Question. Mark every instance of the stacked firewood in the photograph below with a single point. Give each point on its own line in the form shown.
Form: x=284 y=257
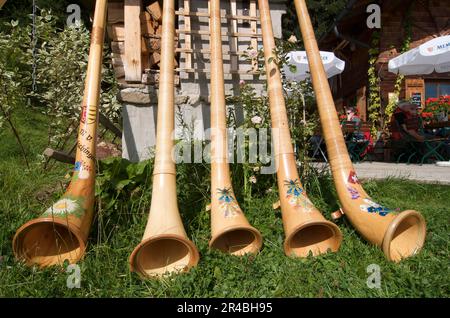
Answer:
x=151 y=27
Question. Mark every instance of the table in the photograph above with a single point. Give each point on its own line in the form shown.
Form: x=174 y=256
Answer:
x=436 y=125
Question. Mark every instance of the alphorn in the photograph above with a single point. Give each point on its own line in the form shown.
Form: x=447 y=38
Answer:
x=231 y=232
x=61 y=232
x=165 y=247
x=306 y=230
x=400 y=235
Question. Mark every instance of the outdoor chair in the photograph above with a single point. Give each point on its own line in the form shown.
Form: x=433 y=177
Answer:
x=412 y=150
x=356 y=143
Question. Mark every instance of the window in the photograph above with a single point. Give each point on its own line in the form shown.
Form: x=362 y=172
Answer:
x=436 y=88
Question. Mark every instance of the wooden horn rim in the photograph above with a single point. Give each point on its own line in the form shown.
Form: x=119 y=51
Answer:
x=316 y=237
x=163 y=254
x=405 y=236
x=237 y=240
x=48 y=241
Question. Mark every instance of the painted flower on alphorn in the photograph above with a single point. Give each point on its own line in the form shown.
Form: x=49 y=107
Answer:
x=296 y=195
x=228 y=203
x=353 y=192
x=66 y=206
x=82 y=170
x=372 y=207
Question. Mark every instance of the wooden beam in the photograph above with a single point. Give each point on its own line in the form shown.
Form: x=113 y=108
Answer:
x=233 y=28
x=109 y=125
x=187 y=37
x=241 y=72
x=205 y=14
x=254 y=30
x=59 y=156
x=224 y=34
x=133 y=44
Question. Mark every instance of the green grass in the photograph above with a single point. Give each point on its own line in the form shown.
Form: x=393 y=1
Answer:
x=118 y=229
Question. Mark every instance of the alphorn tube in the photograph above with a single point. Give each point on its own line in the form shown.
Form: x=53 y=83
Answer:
x=305 y=227
x=61 y=232
x=400 y=235
x=231 y=232
x=165 y=247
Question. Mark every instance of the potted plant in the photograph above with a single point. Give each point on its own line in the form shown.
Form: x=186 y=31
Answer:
x=436 y=109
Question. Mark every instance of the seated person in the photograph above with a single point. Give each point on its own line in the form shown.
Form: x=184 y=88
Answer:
x=405 y=122
x=353 y=117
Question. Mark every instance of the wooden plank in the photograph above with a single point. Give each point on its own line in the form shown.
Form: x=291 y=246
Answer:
x=227 y=16
x=241 y=72
x=254 y=30
x=133 y=58
x=109 y=125
x=187 y=37
x=208 y=51
x=115 y=12
x=233 y=28
x=155 y=10
x=59 y=156
x=224 y=34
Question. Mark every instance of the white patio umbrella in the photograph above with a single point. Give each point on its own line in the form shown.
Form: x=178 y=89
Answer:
x=333 y=65
x=297 y=69
x=431 y=56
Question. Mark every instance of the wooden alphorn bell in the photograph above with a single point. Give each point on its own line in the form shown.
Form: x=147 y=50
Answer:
x=400 y=235
x=231 y=232
x=165 y=247
x=306 y=230
x=61 y=232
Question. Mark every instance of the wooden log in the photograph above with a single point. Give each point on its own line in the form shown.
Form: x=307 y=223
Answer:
x=118 y=47
x=133 y=56
x=155 y=58
x=153 y=44
x=115 y=12
x=147 y=25
x=155 y=11
x=116 y=32
x=119 y=72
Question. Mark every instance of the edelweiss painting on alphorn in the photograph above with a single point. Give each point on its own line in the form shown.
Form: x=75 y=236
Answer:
x=400 y=235
x=231 y=232
x=165 y=247
x=61 y=232
x=306 y=230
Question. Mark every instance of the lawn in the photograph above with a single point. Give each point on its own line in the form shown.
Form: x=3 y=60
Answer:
x=121 y=219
